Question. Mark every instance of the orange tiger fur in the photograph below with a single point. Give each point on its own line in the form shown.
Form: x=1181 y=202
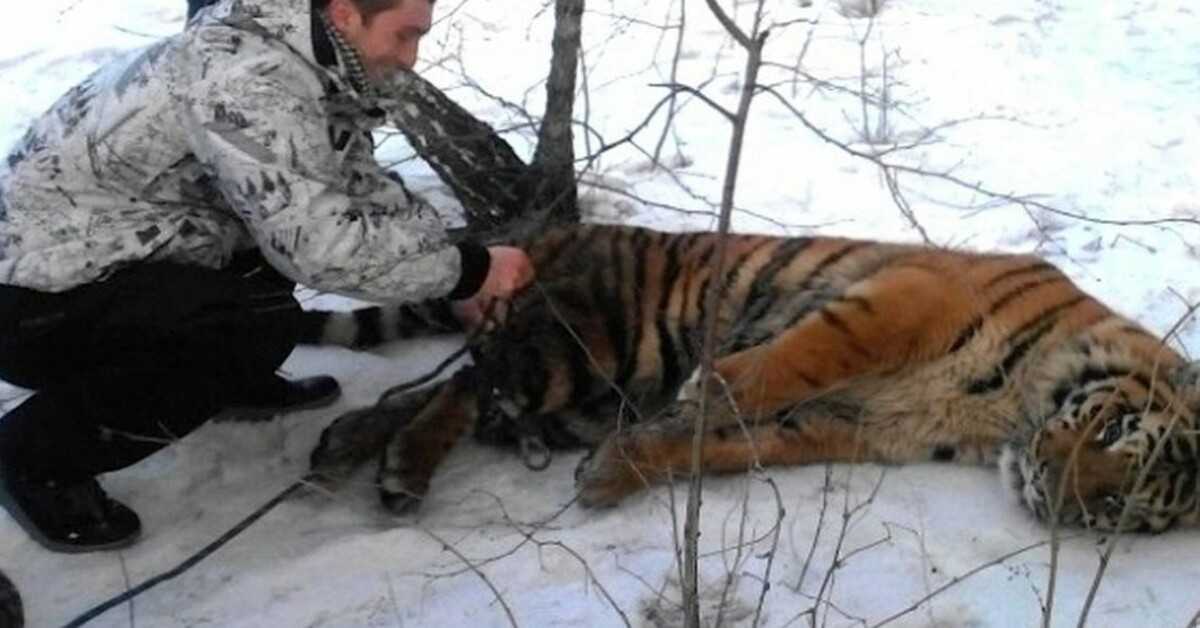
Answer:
x=832 y=350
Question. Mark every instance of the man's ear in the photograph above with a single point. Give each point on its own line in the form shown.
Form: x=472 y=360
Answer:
x=344 y=15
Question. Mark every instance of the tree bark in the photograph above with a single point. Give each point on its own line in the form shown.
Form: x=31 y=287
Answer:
x=502 y=196
x=554 y=159
x=480 y=167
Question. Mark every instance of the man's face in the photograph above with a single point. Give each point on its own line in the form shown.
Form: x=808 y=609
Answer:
x=388 y=43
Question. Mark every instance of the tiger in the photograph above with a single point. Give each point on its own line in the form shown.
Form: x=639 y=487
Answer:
x=829 y=350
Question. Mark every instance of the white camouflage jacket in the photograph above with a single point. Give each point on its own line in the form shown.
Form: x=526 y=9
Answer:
x=241 y=130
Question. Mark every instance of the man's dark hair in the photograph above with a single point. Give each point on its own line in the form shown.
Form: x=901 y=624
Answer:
x=368 y=8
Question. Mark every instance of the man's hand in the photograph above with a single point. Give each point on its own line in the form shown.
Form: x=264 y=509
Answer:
x=510 y=271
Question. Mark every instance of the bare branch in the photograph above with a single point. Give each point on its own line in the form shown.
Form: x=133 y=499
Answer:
x=449 y=547
x=729 y=115
x=957 y=580
x=671 y=109
x=731 y=27
x=780 y=513
x=692 y=523
x=976 y=187
x=826 y=489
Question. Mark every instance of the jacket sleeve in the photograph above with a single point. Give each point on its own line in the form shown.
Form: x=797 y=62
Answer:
x=261 y=125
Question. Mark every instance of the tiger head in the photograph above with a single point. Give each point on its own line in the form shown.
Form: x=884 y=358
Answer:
x=1119 y=452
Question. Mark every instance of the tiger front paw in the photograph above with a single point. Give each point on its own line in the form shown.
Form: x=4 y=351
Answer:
x=403 y=480
x=607 y=474
x=400 y=498
x=348 y=442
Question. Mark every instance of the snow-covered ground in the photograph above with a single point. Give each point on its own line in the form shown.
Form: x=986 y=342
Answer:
x=1087 y=107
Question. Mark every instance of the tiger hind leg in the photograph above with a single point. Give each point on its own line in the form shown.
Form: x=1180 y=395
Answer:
x=900 y=316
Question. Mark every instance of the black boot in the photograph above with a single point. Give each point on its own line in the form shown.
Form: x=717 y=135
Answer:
x=12 y=612
x=277 y=395
x=71 y=518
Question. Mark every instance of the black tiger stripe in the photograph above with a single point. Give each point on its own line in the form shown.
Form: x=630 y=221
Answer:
x=681 y=320
x=702 y=305
x=967 y=334
x=859 y=302
x=1018 y=351
x=1048 y=313
x=1036 y=267
x=808 y=380
x=836 y=257
x=672 y=375
x=668 y=357
x=551 y=254
x=1085 y=378
x=710 y=249
x=1021 y=348
x=369 y=326
x=1143 y=380
x=1138 y=331
x=702 y=296
x=640 y=243
x=734 y=270
x=833 y=320
x=1041 y=324
x=806 y=285
x=896 y=260
x=579 y=368
x=613 y=315
x=671 y=269
x=757 y=303
x=1022 y=290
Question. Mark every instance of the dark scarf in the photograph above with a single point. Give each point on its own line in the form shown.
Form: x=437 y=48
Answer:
x=329 y=47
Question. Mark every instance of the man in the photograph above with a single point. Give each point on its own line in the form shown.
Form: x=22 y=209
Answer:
x=153 y=222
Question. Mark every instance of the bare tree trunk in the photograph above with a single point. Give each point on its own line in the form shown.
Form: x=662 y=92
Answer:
x=554 y=159
x=481 y=168
x=502 y=195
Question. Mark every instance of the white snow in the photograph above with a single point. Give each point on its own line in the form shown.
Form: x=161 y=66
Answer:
x=1087 y=107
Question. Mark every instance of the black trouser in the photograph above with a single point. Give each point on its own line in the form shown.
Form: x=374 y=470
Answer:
x=123 y=366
